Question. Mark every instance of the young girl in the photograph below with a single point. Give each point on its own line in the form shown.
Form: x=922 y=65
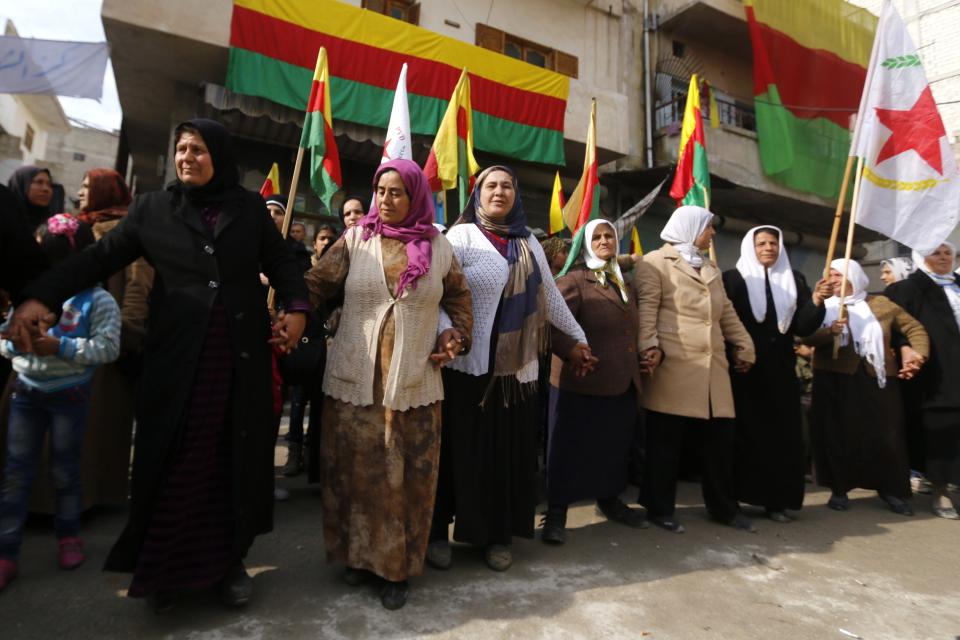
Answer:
x=51 y=393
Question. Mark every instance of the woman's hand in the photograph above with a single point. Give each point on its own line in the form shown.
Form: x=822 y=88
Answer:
x=837 y=327
x=650 y=360
x=288 y=329
x=46 y=346
x=30 y=321
x=582 y=359
x=449 y=346
x=741 y=366
x=821 y=291
x=912 y=363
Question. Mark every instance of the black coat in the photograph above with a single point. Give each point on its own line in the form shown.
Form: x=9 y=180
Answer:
x=193 y=268
x=21 y=259
x=938 y=383
x=770 y=453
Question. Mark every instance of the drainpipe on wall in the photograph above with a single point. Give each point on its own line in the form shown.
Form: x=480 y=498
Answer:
x=647 y=107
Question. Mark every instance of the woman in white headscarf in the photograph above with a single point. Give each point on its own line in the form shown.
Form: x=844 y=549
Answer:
x=857 y=428
x=775 y=304
x=685 y=321
x=932 y=295
x=593 y=416
x=895 y=269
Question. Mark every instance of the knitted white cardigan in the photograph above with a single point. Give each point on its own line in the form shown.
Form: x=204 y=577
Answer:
x=486 y=272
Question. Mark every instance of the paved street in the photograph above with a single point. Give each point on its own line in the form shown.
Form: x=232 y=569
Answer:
x=869 y=573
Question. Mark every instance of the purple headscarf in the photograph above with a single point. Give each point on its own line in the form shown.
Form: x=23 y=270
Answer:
x=415 y=230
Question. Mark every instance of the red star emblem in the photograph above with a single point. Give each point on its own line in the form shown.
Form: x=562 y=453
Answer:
x=919 y=129
x=386 y=147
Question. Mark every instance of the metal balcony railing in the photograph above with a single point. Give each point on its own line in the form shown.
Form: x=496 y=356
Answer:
x=733 y=114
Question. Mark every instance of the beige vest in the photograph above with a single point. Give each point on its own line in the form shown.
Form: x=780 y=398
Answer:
x=412 y=380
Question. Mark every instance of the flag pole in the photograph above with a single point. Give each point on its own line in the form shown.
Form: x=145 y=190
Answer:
x=838 y=216
x=849 y=251
x=712 y=251
x=288 y=214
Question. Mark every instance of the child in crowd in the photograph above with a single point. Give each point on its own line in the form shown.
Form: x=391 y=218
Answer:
x=51 y=394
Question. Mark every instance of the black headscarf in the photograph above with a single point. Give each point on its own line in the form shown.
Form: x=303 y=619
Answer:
x=20 y=185
x=348 y=198
x=224 y=186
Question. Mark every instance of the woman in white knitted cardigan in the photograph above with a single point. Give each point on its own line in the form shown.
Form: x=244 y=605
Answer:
x=489 y=439
x=380 y=441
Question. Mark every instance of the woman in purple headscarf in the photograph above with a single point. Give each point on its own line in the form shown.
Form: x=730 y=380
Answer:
x=380 y=445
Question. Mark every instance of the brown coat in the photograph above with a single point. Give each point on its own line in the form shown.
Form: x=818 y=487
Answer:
x=891 y=317
x=611 y=326
x=688 y=315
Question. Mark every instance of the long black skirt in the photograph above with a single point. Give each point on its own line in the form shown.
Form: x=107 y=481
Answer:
x=488 y=460
x=941 y=440
x=858 y=435
x=589 y=446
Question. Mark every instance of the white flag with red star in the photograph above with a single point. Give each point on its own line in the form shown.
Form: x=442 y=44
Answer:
x=398 y=143
x=911 y=188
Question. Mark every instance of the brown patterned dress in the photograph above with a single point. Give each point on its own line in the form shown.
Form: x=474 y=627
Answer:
x=378 y=467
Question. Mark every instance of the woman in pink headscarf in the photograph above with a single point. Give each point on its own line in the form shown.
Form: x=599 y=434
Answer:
x=380 y=444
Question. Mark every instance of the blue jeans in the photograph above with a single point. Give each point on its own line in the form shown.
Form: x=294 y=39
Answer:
x=32 y=414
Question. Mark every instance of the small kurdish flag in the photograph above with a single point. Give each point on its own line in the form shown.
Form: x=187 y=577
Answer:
x=451 y=163
x=584 y=203
x=325 y=176
x=636 y=249
x=691 y=181
x=556 y=207
x=272 y=184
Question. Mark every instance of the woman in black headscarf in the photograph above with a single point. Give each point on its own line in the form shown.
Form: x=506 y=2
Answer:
x=33 y=186
x=202 y=485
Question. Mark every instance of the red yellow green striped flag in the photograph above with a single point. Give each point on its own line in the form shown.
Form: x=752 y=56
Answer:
x=636 y=249
x=556 y=207
x=272 y=184
x=451 y=163
x=325 y=177
x=691 y=180
x=584 y=203
x=809 y=66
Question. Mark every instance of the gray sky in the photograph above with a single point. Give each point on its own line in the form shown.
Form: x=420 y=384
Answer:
x=77 y=20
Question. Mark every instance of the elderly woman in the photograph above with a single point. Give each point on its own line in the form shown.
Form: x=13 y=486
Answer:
x=857 y=415
x=685 y=321
x=380 y=444
x=490 y=416
x=895 y=269
x=203 y=462
x=932 y=295
x=593 y=417
x=33 y=187
x=774 y=304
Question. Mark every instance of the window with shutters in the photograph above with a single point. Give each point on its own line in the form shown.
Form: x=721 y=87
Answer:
x=536 y=54
x=28 y=138
x=406 y=10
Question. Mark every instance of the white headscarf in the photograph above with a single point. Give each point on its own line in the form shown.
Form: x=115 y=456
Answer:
x=900 y=267
x=683 y=228
x=603 y=267
x=783 y=286
x=863 y=325
x=948 y=282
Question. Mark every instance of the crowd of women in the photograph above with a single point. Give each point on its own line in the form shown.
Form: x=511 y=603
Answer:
x=426 y=410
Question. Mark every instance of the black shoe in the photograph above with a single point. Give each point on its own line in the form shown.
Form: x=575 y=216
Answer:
x=554 y=526
x=356 y=577
x=779 y=515
x=236 y=588
x=741 y=522
x=839 y=502
x=615 y=510
x=669 y=523
x=162 y=601
x=898 y=505
x=294 y=464
x=393 y=595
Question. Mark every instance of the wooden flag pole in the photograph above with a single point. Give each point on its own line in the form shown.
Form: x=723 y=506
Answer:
x=848 y=252
x=288 y=214
x=838 y=216
x=712 y=251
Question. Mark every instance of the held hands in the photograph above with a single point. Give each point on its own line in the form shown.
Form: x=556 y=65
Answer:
x=46 y=346
x=582 y=359
x=650 y=360
x=912 y=363
x=449 y=346
x=29 y=323
x=287 y=329
x=741 y=366
x=821 y=291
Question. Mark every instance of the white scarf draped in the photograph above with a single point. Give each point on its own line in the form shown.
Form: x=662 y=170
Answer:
x=900 y=267
x=947 y=282
x=603 y=268
x=683 y=228
x=862 y=324
x=783 y=286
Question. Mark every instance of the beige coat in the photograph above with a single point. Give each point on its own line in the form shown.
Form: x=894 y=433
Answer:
x=689 y=316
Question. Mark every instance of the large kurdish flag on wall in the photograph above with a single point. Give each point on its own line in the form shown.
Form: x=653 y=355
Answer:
x=518 y=109
x=809 y=65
